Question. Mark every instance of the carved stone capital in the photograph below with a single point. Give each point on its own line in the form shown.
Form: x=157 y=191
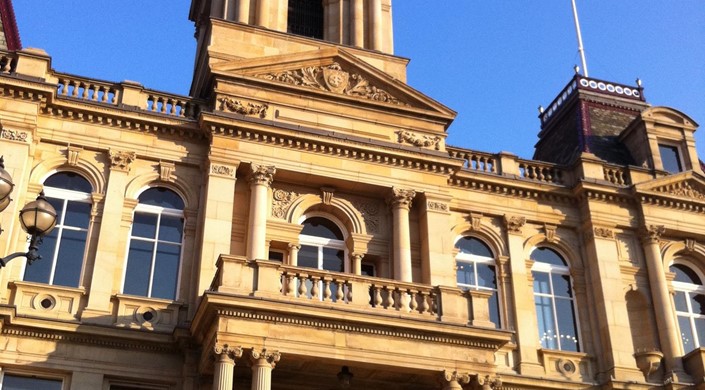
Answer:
x=453 y=380
x=514 y=223
x=294 y=247
x=120 y=160
x=264 y=357
x=652 y=234
x=401 y=198
x=262 y=174
x=486 y=382
x=226 y=353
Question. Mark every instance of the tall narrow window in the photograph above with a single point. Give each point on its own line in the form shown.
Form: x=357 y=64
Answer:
x=63 y=250
x=153 y=260
x=555 y=303
x=305 y=18
x=476 y=270
x=690 y=306
x=670 y=158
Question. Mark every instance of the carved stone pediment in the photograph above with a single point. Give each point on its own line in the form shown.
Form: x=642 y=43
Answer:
x=337 y=79
x=689 y=189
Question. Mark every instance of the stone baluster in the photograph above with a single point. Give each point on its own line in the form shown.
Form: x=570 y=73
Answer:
x=260 y=180
x=263 y=363
x=223 y=370
x=665 y=318
x=400 y=203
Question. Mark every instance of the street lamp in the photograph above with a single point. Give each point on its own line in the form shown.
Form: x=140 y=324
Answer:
x=37 y=218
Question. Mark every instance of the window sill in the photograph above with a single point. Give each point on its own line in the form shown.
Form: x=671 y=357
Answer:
x=576 y=366
x=47 y=301
x=153 y=314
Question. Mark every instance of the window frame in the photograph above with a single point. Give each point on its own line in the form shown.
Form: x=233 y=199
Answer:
x=65 y=383
x=550 y=270
x=688 y=289
x=159 y=211
x=321 y=242
x=679 y=154
x=474 y=260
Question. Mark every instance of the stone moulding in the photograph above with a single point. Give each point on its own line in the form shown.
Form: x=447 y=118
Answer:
x=422 y=141
x=247 y=109
x=333 y=78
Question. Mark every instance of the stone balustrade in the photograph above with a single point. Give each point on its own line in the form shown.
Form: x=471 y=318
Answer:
x=474 y=160
x=540 y=171
x=278 y=282
x=8 y=62
x=87 y=89
x=616 y=175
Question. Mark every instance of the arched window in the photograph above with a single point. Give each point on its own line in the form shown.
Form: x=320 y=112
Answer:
x=154 y=257
x=305 y=18
x=64 y=249
x=555 y=302
x=476 y=270
x=690 y=306
x=322 y=245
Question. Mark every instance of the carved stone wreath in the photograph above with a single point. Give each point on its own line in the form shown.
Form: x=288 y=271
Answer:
x=334 y=79
x=424 y=141
x=228 y=104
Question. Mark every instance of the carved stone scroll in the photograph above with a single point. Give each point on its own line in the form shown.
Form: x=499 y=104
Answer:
x=335 y=79
x=227 y=352
x=270 y=357
x=486 y=382
x=248 y=109
x=424 y=141
x=281 y=200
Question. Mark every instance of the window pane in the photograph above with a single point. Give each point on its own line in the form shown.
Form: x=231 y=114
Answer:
x=40 y=270
x=680 y=299
x=77 y=214
x=494 y=310
x=545 y=255
x=473 y=246
x=541 y=283
x=697 y=303
x=700 y=330
x=333 y=259
x=70 y=258
x=144 y=225
x=686 y=334
x=321 y=227
x=162 y=197
x=368 y=269
x=466 y=273
x=486 y=276
x=171 y=228
x=166 y=271
x=308 y=256
x=58 y=206
x=69 y=181
x=139 y=263
x=546 y=322
x=561 y=286
x=685 y=274
x=12 y=382
x=568 y=332
x=670 y=158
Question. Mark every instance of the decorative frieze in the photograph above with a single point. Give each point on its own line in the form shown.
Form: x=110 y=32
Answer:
x=401 y=198
x=120 y=160
x=222 y=170
x=514 y=223
x=262 y=174
x=247 y=109
x=682 y=189
x=437 y=206
x=14 y=135
x=422 y=141
x=334 y=79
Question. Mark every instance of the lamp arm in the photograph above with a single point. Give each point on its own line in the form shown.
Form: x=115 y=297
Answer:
x=32 y=254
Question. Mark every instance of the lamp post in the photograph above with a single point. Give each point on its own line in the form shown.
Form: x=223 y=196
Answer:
x=37 y=218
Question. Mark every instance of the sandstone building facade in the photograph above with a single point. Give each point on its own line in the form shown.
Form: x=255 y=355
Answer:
x=299 y=222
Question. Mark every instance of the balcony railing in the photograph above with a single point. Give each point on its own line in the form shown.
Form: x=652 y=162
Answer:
x=371 y=295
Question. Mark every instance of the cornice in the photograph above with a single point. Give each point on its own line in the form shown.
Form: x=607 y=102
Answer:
x=334 y=325
x=514 y=187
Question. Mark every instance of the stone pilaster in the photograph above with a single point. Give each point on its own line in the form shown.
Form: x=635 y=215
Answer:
x=223 y=369
x=263 y=363
x=400 y=203
x=260 y=180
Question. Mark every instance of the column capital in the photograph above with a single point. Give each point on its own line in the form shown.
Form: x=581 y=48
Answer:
x=121 y=160
x=264 y=357
x=295 y=247
x=514 y=223
x=262 y=174
x=652 y=234
x=401 y=198
x=452 y=380
x=225 y=352
x=486 y=382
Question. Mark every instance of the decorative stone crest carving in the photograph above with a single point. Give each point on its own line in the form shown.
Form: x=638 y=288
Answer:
x=327 y=195
x=401 y=198
x=237 y=106
x=604 y=232
x=281 y=200
x=222 y=170
x=226 y=352
x=334 y=79
x=514 y=223
x=166 y=169
x=370 y=213
x=121 y=160
x=653 y=233
x=262 y=174
x=486 y=382
x=14 y=135
x=424 y=141
x=72 y=153
x=265 y=356
x=437 y=206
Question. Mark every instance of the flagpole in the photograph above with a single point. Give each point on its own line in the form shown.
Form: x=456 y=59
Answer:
x=580 y=39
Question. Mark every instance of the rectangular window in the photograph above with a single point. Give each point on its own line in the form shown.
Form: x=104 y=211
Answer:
x=670 y=158
x=16 y=382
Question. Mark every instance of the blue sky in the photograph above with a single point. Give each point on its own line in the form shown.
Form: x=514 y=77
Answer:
x=492 y=61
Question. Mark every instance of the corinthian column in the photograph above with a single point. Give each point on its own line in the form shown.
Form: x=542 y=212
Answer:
x=400 y=203
x=263 y=363
x=665 y=318
x=260 y=180
x=225 y=356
